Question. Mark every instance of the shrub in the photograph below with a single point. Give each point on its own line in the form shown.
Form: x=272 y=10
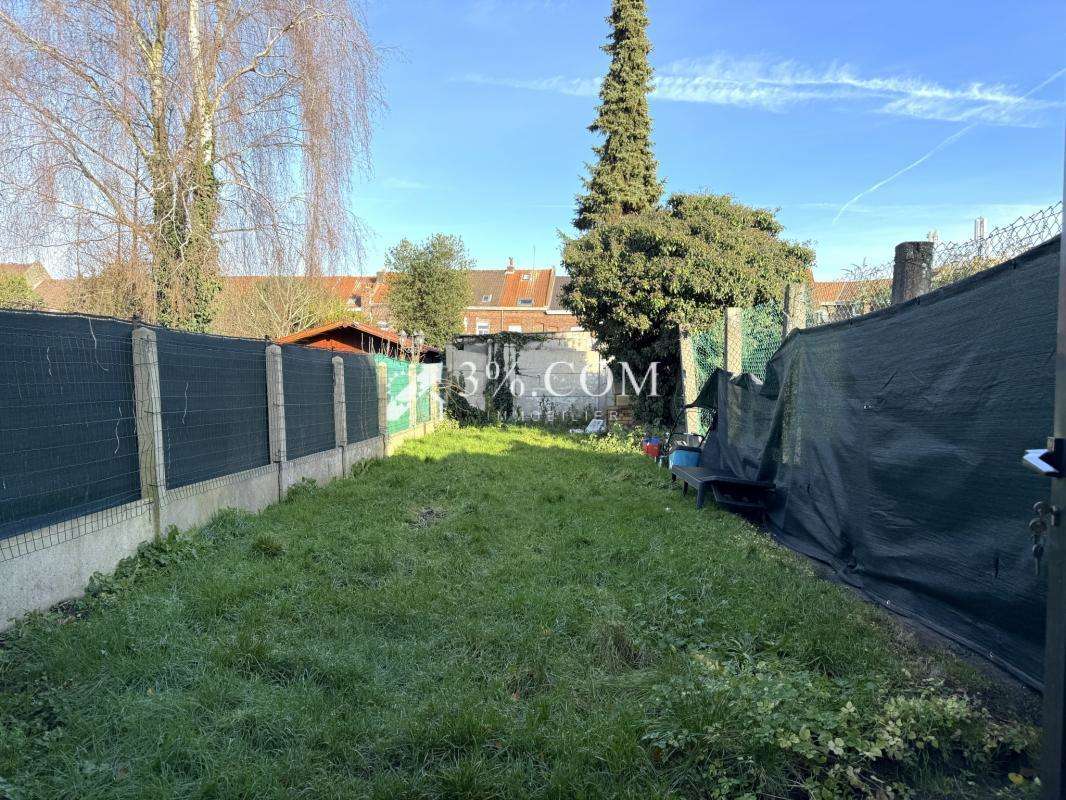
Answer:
x=756 y=726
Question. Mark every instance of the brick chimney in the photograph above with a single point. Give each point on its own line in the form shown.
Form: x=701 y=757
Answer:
x=510 y=265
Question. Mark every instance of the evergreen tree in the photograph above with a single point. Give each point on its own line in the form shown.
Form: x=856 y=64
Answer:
x=636 y=281
x=623 y=181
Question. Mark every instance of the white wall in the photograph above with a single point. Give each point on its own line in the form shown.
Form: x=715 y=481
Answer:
x=548 y=375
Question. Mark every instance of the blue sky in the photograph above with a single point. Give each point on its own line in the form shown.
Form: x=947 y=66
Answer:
x=795 y=105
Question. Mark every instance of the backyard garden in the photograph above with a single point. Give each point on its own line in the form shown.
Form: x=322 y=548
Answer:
x=494 y=612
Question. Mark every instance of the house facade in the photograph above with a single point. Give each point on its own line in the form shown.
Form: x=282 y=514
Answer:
x=53 y=292
x=511 y=299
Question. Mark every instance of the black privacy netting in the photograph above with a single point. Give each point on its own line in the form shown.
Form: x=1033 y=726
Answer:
x=360 y=397
x=894 y=442
x=308 y=378
x=68 y=439
x=213 y=396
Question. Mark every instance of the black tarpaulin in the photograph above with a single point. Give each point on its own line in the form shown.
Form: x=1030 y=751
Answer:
x=894 y=442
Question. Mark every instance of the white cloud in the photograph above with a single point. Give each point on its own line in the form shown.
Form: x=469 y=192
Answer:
x=779 y=86
x=580 y=87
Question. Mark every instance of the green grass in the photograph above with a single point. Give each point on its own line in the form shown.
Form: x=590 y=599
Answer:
x=491 y=613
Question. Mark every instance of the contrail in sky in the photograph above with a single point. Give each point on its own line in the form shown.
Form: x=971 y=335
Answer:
x=954 y=137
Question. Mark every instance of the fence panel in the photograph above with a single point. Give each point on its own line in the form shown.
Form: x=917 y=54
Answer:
x=68 y=441
x=360 y=397
x=213 y=395
x=428 y=376
x=400 y=390
x=308 y=377
x=760 y=328
x=894 y=443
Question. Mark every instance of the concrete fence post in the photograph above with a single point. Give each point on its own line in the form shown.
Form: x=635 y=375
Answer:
x=383 y=405
x=734 y=341
x=340 y=409
x=276 y=404
x=412 y=382
x=797 y=302
x=148 y=410
x=912 y=271
x=689 y=379
x=434 y=402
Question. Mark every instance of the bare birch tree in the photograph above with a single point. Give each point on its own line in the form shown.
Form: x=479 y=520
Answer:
x=276 y=306
x=158 y=140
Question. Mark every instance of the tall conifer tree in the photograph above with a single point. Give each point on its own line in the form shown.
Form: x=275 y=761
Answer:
x=623 y=181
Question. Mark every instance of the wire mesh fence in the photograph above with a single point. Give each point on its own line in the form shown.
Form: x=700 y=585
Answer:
x=760 y=330
x=214 y=409
x=68 y=441
x=761 y=327
x=92 y=408
x=868 y=286
x=309 y=423
x=360 y=397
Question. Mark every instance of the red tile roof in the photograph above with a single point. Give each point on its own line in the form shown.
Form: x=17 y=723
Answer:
x=381 y=333
x=829 y=292
x=10 y=268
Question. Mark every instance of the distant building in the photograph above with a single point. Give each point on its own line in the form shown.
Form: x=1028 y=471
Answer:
x=835 y=300
x=53 y=292
x=355 y=337
x=511 y=299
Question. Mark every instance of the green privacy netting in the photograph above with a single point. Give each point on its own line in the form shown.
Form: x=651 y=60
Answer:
x=761 y=336
x=761 y=331
x=761 y=328
x=403 y=387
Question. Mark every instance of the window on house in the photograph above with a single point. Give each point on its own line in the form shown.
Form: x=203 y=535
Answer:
x=356 y=301
x=482 y=327
x=525 y=301
x=486 y=298
x=514 y=328
x=525 y=276
x=384 y=324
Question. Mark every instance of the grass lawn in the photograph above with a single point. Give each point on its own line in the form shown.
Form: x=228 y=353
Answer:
x=491 y=613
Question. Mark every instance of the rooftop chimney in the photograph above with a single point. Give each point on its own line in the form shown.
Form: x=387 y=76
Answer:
x=510 y=265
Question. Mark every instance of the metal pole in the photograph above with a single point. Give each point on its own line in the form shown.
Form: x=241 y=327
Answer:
x=1053 y=763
